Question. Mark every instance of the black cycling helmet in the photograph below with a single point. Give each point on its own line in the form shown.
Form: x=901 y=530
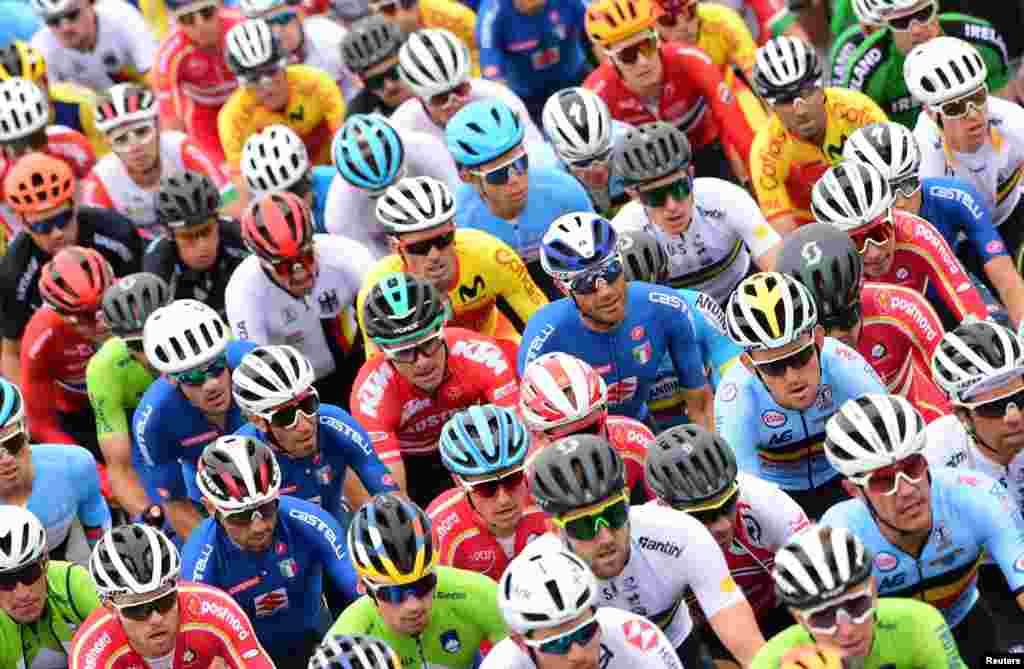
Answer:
x=369 y=41
x=823 y=258
x=643 y=258
x=687 y=466
x=402 y=308
x=129 y=302
x=390 y=541
x=651 y=151
x=344 y=651
x=575 y=472
x=186 y=199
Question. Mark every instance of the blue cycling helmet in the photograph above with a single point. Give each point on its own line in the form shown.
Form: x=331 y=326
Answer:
x=483 y=440
x=482 y=131
x=12 y=407
x=368 y=152
x=576 y=242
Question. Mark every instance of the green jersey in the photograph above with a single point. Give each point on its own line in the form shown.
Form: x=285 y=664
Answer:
x=876 y=67
x=465 y=612
x=44 y=644
x=116 y=382
x=908 y=635
x=842 y=17
x=842 y=49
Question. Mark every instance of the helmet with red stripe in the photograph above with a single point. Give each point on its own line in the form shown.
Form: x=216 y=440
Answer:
x=238 y=473
x=560 y=389
x=278 y=226
x=123 y=104
x=74 y=281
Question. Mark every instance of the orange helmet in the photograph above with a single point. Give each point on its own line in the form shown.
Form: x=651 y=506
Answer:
x=75 y=279
x=38 y=183
x=278 y=226
x=611 y=21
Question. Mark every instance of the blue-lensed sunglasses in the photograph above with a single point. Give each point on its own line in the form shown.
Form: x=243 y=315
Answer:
x=499 y=176
x=396 y=594
x=561 y=645
x=586 y=283
x=199 y=376
x=60 y=221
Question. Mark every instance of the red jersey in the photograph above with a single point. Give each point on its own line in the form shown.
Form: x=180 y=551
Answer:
x=691 y=82
x=401 y=418
x=464 y=541
x=212 y=626
x=53 y=361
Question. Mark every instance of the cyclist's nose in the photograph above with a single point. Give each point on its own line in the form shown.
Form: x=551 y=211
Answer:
x=1013 y=414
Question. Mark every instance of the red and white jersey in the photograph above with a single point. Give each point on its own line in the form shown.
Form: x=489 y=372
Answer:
x=212 y=626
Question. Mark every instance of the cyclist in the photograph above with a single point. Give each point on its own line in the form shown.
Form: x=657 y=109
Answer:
x=487 y=518
x=772 y=408
x=135 y=569
x=622 y=330
x=930 y=529
x=42 y=600
x=270 y=551
x=805 y=133
x=489 y=288
x=127 y=180
x=354 y=651
x=370 y=156
x=370 y=49
x=58 y=483
x=188 y=407
x=549 y=601
x=894 y=328
x=437 y=614
x=711 y=229
x=824 y=577
x=690 y=469
x=118 y=375
x=769 y=18
x=417 y=15
x=897 y=247
x=426 y=372
x=203 y=248
x=860 y=20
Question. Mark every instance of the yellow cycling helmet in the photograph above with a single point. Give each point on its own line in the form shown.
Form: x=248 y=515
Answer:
x=390 y=541
x=611 y=21
x=18 y=59
x=811 y=657
x=770 y=310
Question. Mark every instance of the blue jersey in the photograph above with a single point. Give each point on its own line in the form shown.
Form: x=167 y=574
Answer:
x=281 y=589
x=551 y=194
x=970 y=517
x=616 y=195
x=66 y=486
x=658 y=323
x=956 y=208
x=787 y=446
x=322 y=177
x=535 y=55
x=17 y=22
x=167 y=431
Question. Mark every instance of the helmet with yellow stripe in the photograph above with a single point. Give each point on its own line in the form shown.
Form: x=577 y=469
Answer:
x=390 y=541
x=19 y=59
x=770 y=310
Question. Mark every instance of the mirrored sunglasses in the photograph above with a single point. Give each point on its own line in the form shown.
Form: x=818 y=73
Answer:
x=886 y=480
x=59 y=221
x=199 y=376
x=244 y=518
x=396 y=594
x=288 y=415
x=409 y=354
x=998 y=407
x=141 y=612
x=978 y=100
x=613 y=515
x=423 y=246
x=678 y=190
x=825 y=620
x=488 y=489
x=460 y=92
x=795 y=360
x=876 y=233
x=500 y=175
x=922 y=16
x=587 y=282
x=629 y=55
x=563 y=643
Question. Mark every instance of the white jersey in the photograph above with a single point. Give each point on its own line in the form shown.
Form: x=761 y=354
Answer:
x=713 y=254
x=628 y=641
x=351 y=212
x=994 y=169
x=261 y=311
x=322 y=39
x=125 y=48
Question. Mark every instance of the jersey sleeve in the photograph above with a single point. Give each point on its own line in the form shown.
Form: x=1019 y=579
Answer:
x=741 y=45
x=240 y=648
x=937 y=649
x=94 y=192
x=923 y=322
x=322 y=530
x=945 y=273
x=83 y=597
x=359 y=453
x=852 y=373
x=539 y=337
x=518 y=289
x=703 y=73
x=989 y=512
x=933 y=160
x=489 y=39
x=735 y=413
x=748 y=221
x=196 y=160
x=160 y=474
x=682 y=345
x=233 y=127
x=245 y=313
x=778 y=513
x=143 y=42
x=38 y=386
x=331 y=100
x=111 y=417
x=710 y=580
x=93 y=511
x=975 y=218
x=376 y=411
x=769 y=169
x=719 y=352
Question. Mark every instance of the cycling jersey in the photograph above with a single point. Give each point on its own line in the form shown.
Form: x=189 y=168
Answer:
x=784 y=167
x=786 y=446
x=907 y=635
x=713 y=254
x=125 y=49
x=957 y=210
x=876 y=67
x=74 y=106
x=260 y=311
x=971 y=516
x=628 y=641
x=211 y=626
x=44 y=644
x=321 y=177
x=281 y=588
x=608 y=200
x=724 y=37
x=464 y=613
x=657 y=323
x=994 y=169
x=321 y=48
x=116 y=381
x=169 y=431
x=842 y=49
x=315 y=111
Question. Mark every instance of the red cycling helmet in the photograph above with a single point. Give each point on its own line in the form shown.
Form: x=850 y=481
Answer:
x=278 y=225
x=74 y=281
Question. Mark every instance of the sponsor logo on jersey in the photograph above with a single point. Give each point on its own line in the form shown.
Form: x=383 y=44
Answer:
x=470 y=293
x=537 y=345
x=446 y=525
x=637 y=333
x=864 y=67
x=728 y=392
x=371 y=392
x=223 y=613
x=673 y=301
x=773 y=418
x=289 y=568
x=902 y=273
x=244 y=585
x=92 y=656
x=894 y=301
x=623 y=390
x=642 y=354
x=924 y=230
x=450 y=641
x=188 y=656
x=329 y=302
x=482 y=352
x=323 y=528
x=878 y=351
x=413 y=407
x=967 y=200
x=669 y=548
x=271 y=602
x=204 y=558
x=484 y=559
x=886 y=561
x=892 y=582
x=641 y=634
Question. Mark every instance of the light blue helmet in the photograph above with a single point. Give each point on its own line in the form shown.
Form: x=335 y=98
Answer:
x=482 y=131
x=483 y=440
x=12 y=407
x=368 y=152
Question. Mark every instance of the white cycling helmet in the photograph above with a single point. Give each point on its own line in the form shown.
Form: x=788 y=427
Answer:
x=183 y=335
x=237 y=473
x=559 y=389
x=975 y=357
x=890 y=148
x=46 y=8
x=22 y=538
x=576 y=242
x=252 y=9
x=433 y=61
x=134 y=560
x=869 y=12
x=850 y=195
x=943 y=69
x=578 y=123
x=123 y=104
x=269 y=376
x=819 y=564
x=251 y=45
x=24 y=109
x=274 y=159
x=770 y=310
x=414 y=204
x=872 y=431
x=544 y=590
x=784 y=65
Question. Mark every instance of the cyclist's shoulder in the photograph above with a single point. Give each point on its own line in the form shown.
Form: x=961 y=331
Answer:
x=660 y=530
x=104 y=363
x=770 y=655
x=847 y=107
x=470 y=595
x=646 y=300
x=449 y=505
x=709 y=317
x=1007 y=117
x=69 y=459
x=901 y=626
x=162 y=403
x=851 y=513
x=197 y=554
x=949 y=443
x=340 y=431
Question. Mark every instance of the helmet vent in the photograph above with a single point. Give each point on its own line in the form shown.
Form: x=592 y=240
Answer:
x=556 y=594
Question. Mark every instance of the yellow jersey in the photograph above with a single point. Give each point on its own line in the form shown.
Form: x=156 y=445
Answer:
x=74 y=106
x=724 y=36
x=784 y=168
x=157 y=17
x=315 y=110
x=456 y=18
x=488 y=271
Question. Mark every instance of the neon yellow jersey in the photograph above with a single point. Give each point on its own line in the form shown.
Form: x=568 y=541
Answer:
x=74 y=106
x=157 y=17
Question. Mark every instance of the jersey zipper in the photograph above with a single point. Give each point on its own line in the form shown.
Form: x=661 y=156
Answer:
x=419 y=651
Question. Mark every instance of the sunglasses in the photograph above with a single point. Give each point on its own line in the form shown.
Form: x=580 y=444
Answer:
x=488 y=489
x=709 y=514
x=907 y=187
x=687 y=14
x=586 y=283
x=460 y=92
x=199 y=376
x=998 y=407
x=281 y=18
x=141 y=612
x=129 y=139
x=396 y=594
x=806 y=95
x=26 y=576
x=263 y=77
x=288 y=415
x=587 y=163
x=922 y=16
x=586 y=527
x=391 y=8
x=678 y=190
x=844 y=319
x=563 y=643
x=243 y=518
x=797 y=360
x=134 y=344
x=424 y=246
x=189 y=18
x=56 y=20
x=962 y=106
x=876 y=233
x=60 y=221
x=286 y=267
x=409 y=354
x=856 y=607
x=885 y=480
x=378 y=81
x=500 y=175
x=628 y=55
x=596 y=426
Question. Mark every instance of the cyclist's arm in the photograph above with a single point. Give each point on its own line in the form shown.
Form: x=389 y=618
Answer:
x=1008 y=284
x=937 y=650
x=127 y=489
x=947 y=275
x=322 y=530
x=519 y=292
x=94 y=193
x=489 y=39
x=726 y=108
x=736 y=414
x=781 y=517
x=761 y=239
x=243 y=310
x=363 y=460
x=719 y=352
x=742 y=48
x=39 y=390
x=768 y=173
x=82 y=592
x=240 y=648
x=332 y=102
x=481 y=605
x=161 y=476
x=686 y=358
x=990 y=511
x=93 y=512
x=380 y=419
